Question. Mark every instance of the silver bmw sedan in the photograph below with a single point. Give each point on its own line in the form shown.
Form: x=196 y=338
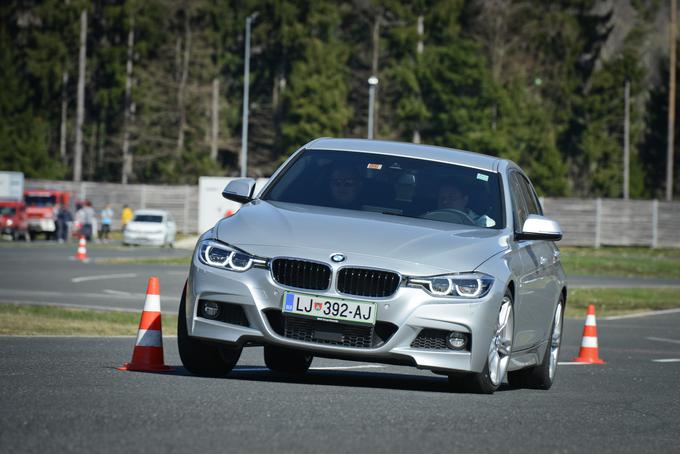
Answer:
x=386 y=252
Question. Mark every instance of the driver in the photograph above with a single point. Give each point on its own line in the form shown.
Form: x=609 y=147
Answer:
x=453 y=198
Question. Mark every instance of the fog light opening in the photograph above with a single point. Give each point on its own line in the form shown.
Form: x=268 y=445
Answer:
x=210 y=310
x=456 y=340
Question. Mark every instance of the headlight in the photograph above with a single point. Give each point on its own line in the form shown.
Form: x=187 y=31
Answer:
x=10 y=222
x=220 y=255
x=468 y=285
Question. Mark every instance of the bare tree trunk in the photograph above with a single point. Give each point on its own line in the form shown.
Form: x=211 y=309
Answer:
x=92 y=153
x=80 y=112
x=374 y=67
x=127 y=156
x=182 y=86
x=215 y=118
x=64 y=117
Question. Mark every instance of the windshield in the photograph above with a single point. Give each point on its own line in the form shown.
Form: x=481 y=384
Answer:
x=7 y=211
x=148 y=218
x=391 y=185
x=41 y=200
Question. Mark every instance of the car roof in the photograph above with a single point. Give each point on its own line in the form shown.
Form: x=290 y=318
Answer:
x=410 y=150
x=151 y=212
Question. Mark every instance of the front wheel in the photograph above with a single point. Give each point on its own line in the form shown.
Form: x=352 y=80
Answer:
x=287 y=361
x=207 y=359
x=543 y=375
x=498 y=356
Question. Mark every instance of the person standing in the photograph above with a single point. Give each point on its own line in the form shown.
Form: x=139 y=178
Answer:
x=63 y=219
x=125 y=216
x=106 y=215
x=89 y=219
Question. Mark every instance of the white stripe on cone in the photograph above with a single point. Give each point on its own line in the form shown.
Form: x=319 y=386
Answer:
x=590 y=320
x=149 y=338
x=152 y=303
x=590 y=342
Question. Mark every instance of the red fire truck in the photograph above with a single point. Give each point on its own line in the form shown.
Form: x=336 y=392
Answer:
x=41 y=213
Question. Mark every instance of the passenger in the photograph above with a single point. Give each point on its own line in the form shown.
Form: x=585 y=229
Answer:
x=346 y=185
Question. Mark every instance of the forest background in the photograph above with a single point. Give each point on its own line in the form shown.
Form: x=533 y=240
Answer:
x=537 y=81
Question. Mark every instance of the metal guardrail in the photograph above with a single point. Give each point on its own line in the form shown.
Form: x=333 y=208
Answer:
x=585 y=222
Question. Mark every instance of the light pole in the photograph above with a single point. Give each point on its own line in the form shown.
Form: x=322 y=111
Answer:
x=246 y=90
x=372 y=84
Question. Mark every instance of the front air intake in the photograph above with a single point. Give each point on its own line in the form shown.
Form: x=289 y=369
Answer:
x=367 y=282
x=302 y=274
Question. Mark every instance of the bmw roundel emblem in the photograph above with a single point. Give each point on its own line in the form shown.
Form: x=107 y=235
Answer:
x=337 y=258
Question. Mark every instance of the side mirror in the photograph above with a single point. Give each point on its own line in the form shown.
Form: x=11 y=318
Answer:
x=539 y=228
x=240 y=190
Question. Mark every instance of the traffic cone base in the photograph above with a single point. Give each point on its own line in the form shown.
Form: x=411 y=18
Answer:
x=147 y=355
x=589 y=352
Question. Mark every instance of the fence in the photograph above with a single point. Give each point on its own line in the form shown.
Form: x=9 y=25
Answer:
x=585 y=222
x=180 y=201
x=615 y=222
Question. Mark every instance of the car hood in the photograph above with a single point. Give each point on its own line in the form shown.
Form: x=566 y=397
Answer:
x=407 y=245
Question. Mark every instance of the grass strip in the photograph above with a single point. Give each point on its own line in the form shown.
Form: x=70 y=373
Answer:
x=622 y=262
x=27 y=319
x=621 y=301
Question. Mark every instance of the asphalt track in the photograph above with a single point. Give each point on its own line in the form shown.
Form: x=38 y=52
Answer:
x=65 y=395
x=45 y=273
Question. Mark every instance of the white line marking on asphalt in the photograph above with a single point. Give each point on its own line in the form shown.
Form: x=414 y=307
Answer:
x=643 y=314
x=116 y=292
x=667 y=360
x=661 y=339
x=367 y=366
x=77 y=280
x=570 y=363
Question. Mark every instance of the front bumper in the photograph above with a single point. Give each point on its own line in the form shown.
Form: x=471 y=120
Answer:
x=151 y=239
x=410 y=309
x=42 y=225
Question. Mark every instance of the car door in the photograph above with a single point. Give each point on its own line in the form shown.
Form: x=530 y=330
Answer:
x=546 y=252
x=524 y=270
x=538 y=284
x=172 y=229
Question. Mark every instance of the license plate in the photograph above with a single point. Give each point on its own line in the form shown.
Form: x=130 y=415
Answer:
x=327 y=308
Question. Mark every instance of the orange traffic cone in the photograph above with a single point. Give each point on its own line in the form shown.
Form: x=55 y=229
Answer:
x=81 y=254
x=589 y=351
x=148 y=353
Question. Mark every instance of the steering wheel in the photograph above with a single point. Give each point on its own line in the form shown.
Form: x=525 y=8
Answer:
x=449 y=215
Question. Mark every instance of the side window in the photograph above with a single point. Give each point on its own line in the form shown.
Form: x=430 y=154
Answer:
x=533 y=205
x=519 y=207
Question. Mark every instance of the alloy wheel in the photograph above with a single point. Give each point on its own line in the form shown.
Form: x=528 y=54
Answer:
x=501 y=343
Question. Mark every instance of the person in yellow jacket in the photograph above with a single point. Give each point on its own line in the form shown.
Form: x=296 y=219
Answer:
x=126 y=216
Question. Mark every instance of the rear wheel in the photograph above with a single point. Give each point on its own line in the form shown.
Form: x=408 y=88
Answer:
x=208 y=359
x=287 y=361
x=543 y=375
x=498 y=357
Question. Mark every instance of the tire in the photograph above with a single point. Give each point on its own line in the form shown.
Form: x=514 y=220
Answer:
x=542 y=376
x=207 y=359
x=287 y=361
x=500 y=348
